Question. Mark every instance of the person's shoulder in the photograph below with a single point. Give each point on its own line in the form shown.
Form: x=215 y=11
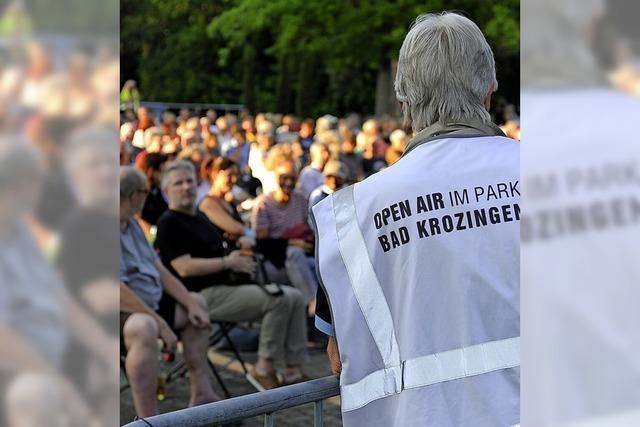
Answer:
x=202 y=217
x=134 y=228
x=81 y=221
x=298 y=197
x=317 y=192
x=262 y=200
x=168 y=218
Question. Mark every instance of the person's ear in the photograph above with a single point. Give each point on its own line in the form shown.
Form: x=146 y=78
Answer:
x=487 y=99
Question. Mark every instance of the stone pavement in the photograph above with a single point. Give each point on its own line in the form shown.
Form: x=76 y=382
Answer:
x=178 y=393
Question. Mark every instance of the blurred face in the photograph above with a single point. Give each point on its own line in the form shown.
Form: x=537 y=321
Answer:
x=334 y=182
x=96 y=175
x=137 y=199
x=18 y=199
x=247 y=125
x=181 y=189
x=287 y=178
x=265 y=140
x=224 y=180
x=306 y=130
x=348 y=146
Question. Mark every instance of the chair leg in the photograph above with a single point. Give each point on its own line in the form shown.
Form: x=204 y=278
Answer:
x=219 y=379
x=223 y=328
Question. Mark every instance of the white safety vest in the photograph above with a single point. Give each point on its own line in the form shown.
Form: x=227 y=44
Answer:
x=420 y=263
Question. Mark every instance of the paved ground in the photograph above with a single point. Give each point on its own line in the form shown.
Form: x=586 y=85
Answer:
x=178 y=394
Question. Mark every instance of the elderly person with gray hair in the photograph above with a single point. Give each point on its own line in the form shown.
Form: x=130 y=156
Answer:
x=154 y=303
x=421 y=287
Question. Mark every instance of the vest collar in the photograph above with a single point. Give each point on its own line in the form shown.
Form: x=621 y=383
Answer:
x=466 y=129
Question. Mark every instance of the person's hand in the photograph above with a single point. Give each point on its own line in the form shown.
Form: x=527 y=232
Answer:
x=167 y=336
x=300 y=243
x=246 y=242
x=334 y=357
x=239 y=263
x=198 y=316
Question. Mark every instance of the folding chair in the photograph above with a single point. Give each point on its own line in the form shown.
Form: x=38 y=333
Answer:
x=179 y=369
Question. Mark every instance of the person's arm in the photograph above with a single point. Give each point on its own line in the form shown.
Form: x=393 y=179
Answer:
x=259 y=220
x=131 y=303
x=334 y=357
x=220 y=217
x=17 y=356
x=172 y=286
x=187 y=266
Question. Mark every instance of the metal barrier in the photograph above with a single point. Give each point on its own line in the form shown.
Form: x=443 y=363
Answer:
x=251 y=405
x=159 y=107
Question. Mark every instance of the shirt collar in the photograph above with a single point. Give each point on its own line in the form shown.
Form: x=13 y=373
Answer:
x=466 y=129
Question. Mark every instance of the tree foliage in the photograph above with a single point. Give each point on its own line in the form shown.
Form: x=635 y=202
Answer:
x=305 y=56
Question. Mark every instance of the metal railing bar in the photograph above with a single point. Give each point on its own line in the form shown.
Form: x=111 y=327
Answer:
x=247 y=406
x=317 y=414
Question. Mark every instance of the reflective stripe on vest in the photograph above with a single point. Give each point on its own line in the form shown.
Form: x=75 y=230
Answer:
x=362 y=276
x=412 y=373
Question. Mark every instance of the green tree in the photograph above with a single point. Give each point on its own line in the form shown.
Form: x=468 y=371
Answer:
x=309 y=57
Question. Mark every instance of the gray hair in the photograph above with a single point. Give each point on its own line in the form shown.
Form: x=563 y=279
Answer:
x=92 y=137
x=131 y=180
x=176 y=165
x=445 y=71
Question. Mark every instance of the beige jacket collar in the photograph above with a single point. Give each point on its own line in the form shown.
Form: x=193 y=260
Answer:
x=466 y=129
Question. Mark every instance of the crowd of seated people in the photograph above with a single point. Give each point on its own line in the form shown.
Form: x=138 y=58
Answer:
x=227 y=210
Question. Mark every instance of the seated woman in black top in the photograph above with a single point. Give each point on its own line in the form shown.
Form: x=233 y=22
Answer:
x=216 y=204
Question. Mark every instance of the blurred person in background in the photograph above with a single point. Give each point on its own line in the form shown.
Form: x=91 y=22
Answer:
x=155 y=203
x=311 y=176
x=336 y=175
x=217 y=204
x=86 y=238
x=212 y=116
x=289 y=124
x=279 y=219
x=352 y=159
x=398 y=140
x=130 y=95
x=145 y=120
x=39 y=68
x=191 y=247
x=224 y=134
x=258 y=153
x=82 y=96
x=39 y=317
x=511 y=126
x=153 y=139
x=155 y=304
x=209 y=139
x=307 y=132
x=49 y=135
x=249 y=128
x=373 y=138
x=169 y=127
x=240 y=150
